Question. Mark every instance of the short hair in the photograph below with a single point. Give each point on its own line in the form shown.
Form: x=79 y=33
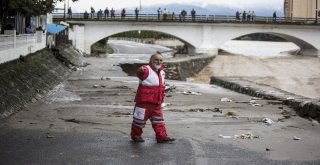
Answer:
x=157 y=53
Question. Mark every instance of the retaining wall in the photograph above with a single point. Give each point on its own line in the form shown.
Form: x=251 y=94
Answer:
x=176 y=69
x=25 y=80
x=305 y=107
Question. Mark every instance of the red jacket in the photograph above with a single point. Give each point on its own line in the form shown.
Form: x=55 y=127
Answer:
x=151 y=86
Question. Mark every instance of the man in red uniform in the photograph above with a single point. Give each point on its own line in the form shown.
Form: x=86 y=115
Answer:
x=149 y=97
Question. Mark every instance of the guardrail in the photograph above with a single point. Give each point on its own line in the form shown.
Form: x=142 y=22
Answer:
x=12 y=46
x=197 y=19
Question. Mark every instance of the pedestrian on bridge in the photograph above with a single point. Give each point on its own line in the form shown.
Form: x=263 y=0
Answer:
x=193 y=14
x=159 y=13
x=274 y=16
x=69 y=12
x=123 y=14
x=149 y=98
x=112 y=13
x=136 y=11
x=106 y=13
x=92 y=12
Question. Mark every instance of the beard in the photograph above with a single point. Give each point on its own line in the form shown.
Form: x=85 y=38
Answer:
x=157 y=66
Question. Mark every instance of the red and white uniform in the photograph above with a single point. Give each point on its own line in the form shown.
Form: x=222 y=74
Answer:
x=149 y=97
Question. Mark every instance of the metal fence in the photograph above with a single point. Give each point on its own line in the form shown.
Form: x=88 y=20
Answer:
x=196 y=19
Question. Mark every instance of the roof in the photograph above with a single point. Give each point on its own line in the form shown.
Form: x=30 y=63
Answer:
x=54 y=28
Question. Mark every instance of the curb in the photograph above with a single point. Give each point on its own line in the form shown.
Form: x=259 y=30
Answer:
x=304 y=107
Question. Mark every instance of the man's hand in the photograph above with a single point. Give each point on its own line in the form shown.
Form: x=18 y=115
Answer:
x=141 y=70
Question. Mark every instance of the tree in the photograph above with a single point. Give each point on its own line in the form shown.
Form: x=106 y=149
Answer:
x=26 y=7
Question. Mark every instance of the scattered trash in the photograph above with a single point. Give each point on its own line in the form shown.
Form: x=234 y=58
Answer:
x=72 y=120
x=267 y=149
x=122 y=113
x=313 y=121
x=169 y=88
x=256 y=98
x=267 y=121
x=165 y=104
x=290 y=98
x=248 y=135
x=230 y=113
x=224 y=137
x=286 y=114
x=122 y=87
x=225 y=99
x=254 y=103
x=191 y=93
x=95 y=86
x=50 y=136
x=296 y=138
x=235 y=117
x=216 y=110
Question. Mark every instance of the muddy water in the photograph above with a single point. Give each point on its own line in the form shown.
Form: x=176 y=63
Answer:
x=292 y=73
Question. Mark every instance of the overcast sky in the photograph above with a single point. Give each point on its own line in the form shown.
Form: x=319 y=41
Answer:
x=82 y=5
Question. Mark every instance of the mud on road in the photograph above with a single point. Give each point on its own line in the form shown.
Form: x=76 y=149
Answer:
x=99 y=98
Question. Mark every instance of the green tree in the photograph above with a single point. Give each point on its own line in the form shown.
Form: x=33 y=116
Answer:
x=27 y=7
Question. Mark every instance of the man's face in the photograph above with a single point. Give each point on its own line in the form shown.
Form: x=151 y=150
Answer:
x=157 y=61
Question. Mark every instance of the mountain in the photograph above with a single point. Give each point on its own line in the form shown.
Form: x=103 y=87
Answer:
x=207 y=10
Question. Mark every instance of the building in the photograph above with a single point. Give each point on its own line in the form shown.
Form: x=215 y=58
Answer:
x=301 y=8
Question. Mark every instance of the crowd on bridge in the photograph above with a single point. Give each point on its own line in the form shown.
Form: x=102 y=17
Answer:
x=162 y=15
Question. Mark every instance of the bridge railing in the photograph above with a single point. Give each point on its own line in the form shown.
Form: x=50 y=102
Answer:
x=177 y=18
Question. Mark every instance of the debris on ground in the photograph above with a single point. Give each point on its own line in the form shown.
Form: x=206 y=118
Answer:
x=122 y=87
x=224 y=137
x=165 y=104
x=290 y=98
x=225 y=99
x=50 y=136
x=296 y=138
x=256 y=98
x=122 y=113
x=286 y=114
x=205 y=109
x=230 y=113
x=248 y=135
x=254 y=103
x=191 y=93
x=169 y=88
x=267 y=121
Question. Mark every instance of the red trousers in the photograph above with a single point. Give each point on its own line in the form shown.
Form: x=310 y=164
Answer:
x=143 y=112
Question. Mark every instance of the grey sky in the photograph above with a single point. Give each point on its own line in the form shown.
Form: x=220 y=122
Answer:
x=82 y=5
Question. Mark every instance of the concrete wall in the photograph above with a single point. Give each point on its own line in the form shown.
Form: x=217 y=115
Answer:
x=13 y=46
x=25 y=80
x=177 y=69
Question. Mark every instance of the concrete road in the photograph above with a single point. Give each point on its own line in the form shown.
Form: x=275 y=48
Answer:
x=87 y=119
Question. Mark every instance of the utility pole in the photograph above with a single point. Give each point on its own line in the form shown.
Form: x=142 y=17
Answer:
x=140 y=5
x=64 y=11
x=316 y=11
x=291 y=10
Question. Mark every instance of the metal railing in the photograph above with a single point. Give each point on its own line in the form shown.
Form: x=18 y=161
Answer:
x=196 y=19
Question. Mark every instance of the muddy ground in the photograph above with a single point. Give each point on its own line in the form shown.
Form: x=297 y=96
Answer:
x=99 y=98
x=295 y=74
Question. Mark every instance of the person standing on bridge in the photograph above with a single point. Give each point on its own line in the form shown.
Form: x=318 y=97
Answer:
x=159 y=13
x=274 y=16
x=92 y=12
x=112 y=13
x=193 y=14
x=136 y=11
x=69 y=12
x=149 y=97
x=106 y=13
